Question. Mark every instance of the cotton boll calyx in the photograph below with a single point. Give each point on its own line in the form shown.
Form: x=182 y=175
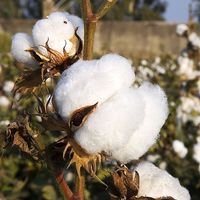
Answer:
x=20 y=43
x=156 y=183
x=179 y=148
x=88 y=82
x=155 y=114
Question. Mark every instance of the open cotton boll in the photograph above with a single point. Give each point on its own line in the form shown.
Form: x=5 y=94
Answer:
x=196 y=154
x=20 y=43
x=111 y=125
x=88 y=82
x=57 y=32
x=181 y=29
x=156 y=183
x=194 y=39
x=76 y=21
x=155 y=114
x=179 y=148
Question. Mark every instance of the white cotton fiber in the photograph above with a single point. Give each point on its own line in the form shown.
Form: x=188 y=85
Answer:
x=77 y=22
x=155 y=114
x=181 y=29
x=179 y=148
x=56 y=31
x=88 y=82
x=20 y=43
x=156 y=183
x=111 y=125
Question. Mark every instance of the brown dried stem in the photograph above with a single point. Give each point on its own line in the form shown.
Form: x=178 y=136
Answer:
x=90 y=22
x=105 y=7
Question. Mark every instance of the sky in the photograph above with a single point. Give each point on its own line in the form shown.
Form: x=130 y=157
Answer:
x=177 y=10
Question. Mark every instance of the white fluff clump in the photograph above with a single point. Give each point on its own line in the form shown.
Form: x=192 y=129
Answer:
x=4 y=101
x=58 y=29
x=194 y=39
x=8 y=86
x=196 y=154
x=113 y=123
x=20 y=43
x=181 y=29
x=155 y=114
x=179 y=148
x=127 y=120
x=156 y=183
x=88 y=82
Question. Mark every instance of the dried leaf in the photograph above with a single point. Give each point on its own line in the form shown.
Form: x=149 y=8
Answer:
x=28 y=82
x=20 y=135
x=79 y=116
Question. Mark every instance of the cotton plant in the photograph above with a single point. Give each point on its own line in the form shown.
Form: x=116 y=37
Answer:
x=97 y=107
x=187 y=58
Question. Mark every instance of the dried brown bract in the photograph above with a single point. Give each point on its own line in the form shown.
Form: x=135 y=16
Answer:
x=50 y=118
x=20 y=135
x=125 y=186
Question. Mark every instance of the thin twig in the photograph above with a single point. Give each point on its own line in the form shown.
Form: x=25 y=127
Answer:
x=105 y=7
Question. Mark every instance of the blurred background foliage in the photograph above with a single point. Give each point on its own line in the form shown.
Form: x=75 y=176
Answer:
x=24 y=179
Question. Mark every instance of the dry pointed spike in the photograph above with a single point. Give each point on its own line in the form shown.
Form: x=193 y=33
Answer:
x=64 y=51
x=65 y=150
x=80 y=46
x=79 y=116
x=37 y=55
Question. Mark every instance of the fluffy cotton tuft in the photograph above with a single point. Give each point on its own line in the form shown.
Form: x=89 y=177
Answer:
x=20 y=43
x=8 y=86
x=196 y=154
x=4 y=101
x=194 y=39
x=112 y=124
x=88 y=82
x=179 y=148
x=156 y=183
x=127 y=120
x=155 y=114
x=181 y=29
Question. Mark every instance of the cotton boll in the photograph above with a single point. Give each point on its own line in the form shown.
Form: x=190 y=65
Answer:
x=181 y=29
x=156 y=183
x=196 y=154
x=4 y=101
x=8 y=86
x=194 y=39
x=179 y=148
x=20 y=43
x=111 y=125
x=155 y=114
x=57 y=32
x=88 y=82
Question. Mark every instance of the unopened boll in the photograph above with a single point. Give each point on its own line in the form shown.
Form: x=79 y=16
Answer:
x=58 y=29
x=125 y=116
x=157 y=183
